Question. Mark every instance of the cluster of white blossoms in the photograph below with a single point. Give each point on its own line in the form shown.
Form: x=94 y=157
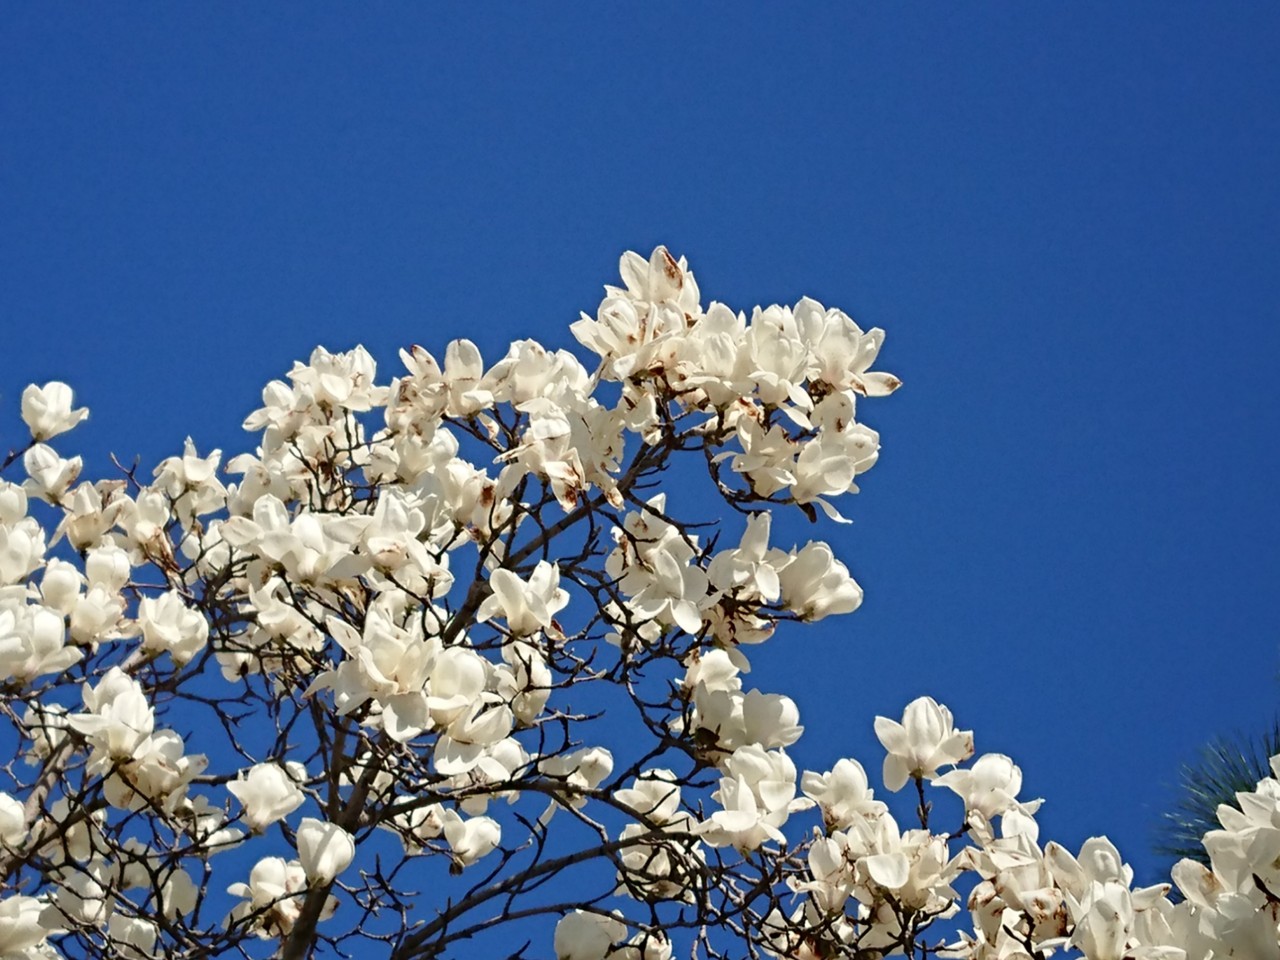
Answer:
x=453 y=657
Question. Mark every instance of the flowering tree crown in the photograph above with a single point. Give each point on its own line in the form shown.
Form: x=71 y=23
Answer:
x=328 y=696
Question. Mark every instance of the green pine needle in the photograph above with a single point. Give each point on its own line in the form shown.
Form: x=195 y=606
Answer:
x=1226 y=767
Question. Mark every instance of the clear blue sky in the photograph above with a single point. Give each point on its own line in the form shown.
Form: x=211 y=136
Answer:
x=1065 y=216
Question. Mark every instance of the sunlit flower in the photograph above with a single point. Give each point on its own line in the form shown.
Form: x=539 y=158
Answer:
x=989 y=787
x=843 y=794
x=470 y=839
x=815 y=584
x=119 y=716
x=268 y=793
x=527 y=606
x=587 y=936
x=924 y=740
x=47 y=410
x=170 y=626
x=324 y=849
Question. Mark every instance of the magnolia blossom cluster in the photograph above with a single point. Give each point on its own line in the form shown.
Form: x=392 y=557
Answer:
x=263 y=704
x=870 y=888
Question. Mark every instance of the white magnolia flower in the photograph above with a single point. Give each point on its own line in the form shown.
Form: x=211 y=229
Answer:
x=21 y=926
x=169 y=625
x=50 y=475
x=13 y=503
x=177 y=476
x=145 y=520
x=582 y=770
x=587 y=936
x=89 y=511
x=742 y=823
x=81 y=897
x=624 y=334
x=33 y=643
x=758 y=794
x=191 y=481
x=661 y=866
x=924 y=740
x=470 y=839
x=119 y=716
x=779 y=360
x=525 y=680
x=655 y=565
x=390 y=664
x=268 y=793
x=133 y=938
x=457 y=390
x=472 y=737
x=841 y=352
x=206 y=824
x=107 y=566
x=47 y=410
x=458 y=677
x=645 y=946
x=989 y=787
x=13 y=822
x=808 y=934
x=527 y=606
x=46 y=726
x=828 y=463
x=324 y=849
x=843 y=794
x=310 y=547
x=767 y=459
x=416 y=825
x=653 y=795
x=60 y=586
x=665 y=865
x=1098 y=862
x=98 y=615
x=340 y=380
x=276 y=887
x=738 y=719
x=713 y=670
x=747 y=572
x=660 y=279
x=156 y=775
x=22 y=547
x=832 y=874
x=815 y=584
x=393 y=538
x=913 y=866
x=530 y=371
x=1104 y=921
x=711 y=359
x=280 y=410
x=178 y=894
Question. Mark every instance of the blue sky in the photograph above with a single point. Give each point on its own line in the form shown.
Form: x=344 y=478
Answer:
x=1064 y=215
